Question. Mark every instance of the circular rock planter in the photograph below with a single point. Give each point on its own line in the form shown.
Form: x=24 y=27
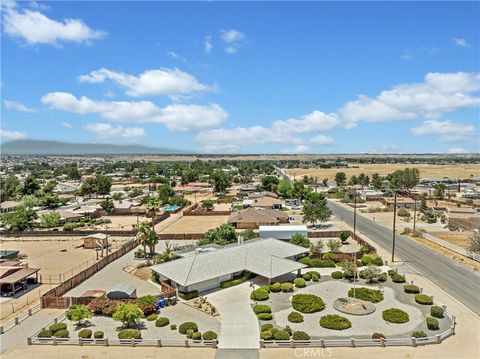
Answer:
x=353 y=306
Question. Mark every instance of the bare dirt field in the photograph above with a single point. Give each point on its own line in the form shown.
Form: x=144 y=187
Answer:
x=121 y=222
x=195 y=224
x=459 y=238
x=426 y=171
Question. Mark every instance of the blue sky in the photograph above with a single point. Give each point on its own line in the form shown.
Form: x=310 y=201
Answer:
x=244 y=77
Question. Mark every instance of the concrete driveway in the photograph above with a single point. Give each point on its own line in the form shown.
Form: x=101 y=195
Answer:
x=238 y=324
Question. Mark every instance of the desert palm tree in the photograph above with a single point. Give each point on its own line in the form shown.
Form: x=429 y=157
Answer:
x=152 y=206
x=152 y=241
x=143 y=234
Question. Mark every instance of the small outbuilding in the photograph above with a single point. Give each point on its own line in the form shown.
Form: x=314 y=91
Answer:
x=122 y=291
x=96 y=240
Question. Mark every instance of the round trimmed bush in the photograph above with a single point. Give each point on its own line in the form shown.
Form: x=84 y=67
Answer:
x=412 y=289
x=209 y=335
x=259 y=295
x=299 y=282
x=173 y=326
x=306 y=277
x=312 y=273
x=281 y=335
x=45 y=334
x=432 y=323
x=394 y=315
x=288 y=330
x=335 y=322
x=265 y=327
x=436 y=311
x=182 y=329
x=423 y=299
x=419 y=334
x=378 y=336
x=299 y=335
x=197 y=336
x=391 y=272
x=383 y=277
x=295 y=317
x=98 y=334
x=287 y=287
x=85 y=333
x=307 y=303
x=276 y=287
x=315 y=278
x=265 y=287
x=262 y=308
x=266 y=335
x=337 y=275
x=162 y=322
x=371 y=259
x=367 y=294
x=265 y=316
x=397 y=278
x=152 y=317
x=129 y=334
x=57 y=326
x=62 y=333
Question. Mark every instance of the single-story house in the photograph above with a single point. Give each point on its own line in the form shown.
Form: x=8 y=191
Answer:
x=96 y=240
x=252 y=218
x=401 y=202
x=292 y=202
x=122 y=291
x=282 y=232
x=262 y=194
x=371 y=195
x=67 y=216
x=205 y=270
x=8 y=206
x=263 y=202
x=246 y=189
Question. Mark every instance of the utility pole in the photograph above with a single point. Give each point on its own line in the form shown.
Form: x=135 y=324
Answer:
x=355 y=217
x=414 y=214
x=394 y=222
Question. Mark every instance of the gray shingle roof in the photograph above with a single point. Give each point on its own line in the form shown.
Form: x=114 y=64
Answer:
x=265 y=257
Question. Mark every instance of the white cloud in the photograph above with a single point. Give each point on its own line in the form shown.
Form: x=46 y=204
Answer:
x=385 y=148
x=12 y=105
x=411 y=54
x=67 y=124
x=438 y=94
x=457 y=150
x=12 y=135
x=297 y=150
x=232 y=35
x=447 y=130
x=461 y=42
x=230 y=49
x=207 y=45
x=176 y=56
x=36 y=28
x=176 y=117
x=161 y=81
x=106 y=131
x=322 y=140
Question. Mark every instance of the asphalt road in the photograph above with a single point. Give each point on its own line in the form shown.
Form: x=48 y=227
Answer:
x=460 y=281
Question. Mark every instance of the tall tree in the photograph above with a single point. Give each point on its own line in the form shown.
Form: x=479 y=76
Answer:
x=341 y=179
x=88 y=187
x=220 y=180
x=270 y=183
x=103 y=184
x=31 y=185
x=20 y=219
x=284 y=188
x=9 y=187
x=315 y=209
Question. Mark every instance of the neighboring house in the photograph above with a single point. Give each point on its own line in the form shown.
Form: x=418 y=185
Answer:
x=245 y=190
x=472 y=194
x=371 y=195
x=67 y=216
x=257 y=195
x=282 y=232
x=293 y=202
x=252 y=218
x=204 y=270
x=66 y=188
x=263 y=202
x=401 y=202
x=8 y=206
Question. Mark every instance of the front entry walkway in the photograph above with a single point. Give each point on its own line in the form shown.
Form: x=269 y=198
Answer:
x=239 y=325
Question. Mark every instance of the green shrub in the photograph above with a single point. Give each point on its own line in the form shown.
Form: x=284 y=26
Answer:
x=265 y=327
x=147 y=300
x=432 y=323
x=288 y=330
x=299 y=282
x=236 y=281
x=197 y=336
x=129 y=334
x=436 y=311
x=412 y=289
x=85 y=333
x=299 y=335
x=173 y=326
x=98 y=334
x=328 y=255
x=307 y=303
x=337 y=275
x=378 y=336
x=276 y=287
x=45 y=334
x=266 y=335
x=423 y=299
x=394 y=315
x=188 y=295
x=367 y=294
x=287 y=287
x=313 y=273
x=281 y=335
x=262 y=308
x=265 y=316
x=209 y=335
x=265 y=288
x=295 y=317
x=391 y=272
x=186 y=326
x=318 y=263
x=162 y=322
x=62 y=333
x=419 y=334
x=152 y=317
x=259 y=295
x=382 y=277
x=315 y=278
x=306 y=277
x=57 y=326
x=371 y=259
x=335 y=322
x=397 y=278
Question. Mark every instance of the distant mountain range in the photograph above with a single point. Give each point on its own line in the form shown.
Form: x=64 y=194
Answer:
x=41 y=147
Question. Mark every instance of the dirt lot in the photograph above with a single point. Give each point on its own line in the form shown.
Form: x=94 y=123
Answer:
x=121 y=222
x=459 y=238
x=426 y=171
x=195 y=224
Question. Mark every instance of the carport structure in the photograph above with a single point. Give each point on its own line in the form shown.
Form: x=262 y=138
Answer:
x=19 y=276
